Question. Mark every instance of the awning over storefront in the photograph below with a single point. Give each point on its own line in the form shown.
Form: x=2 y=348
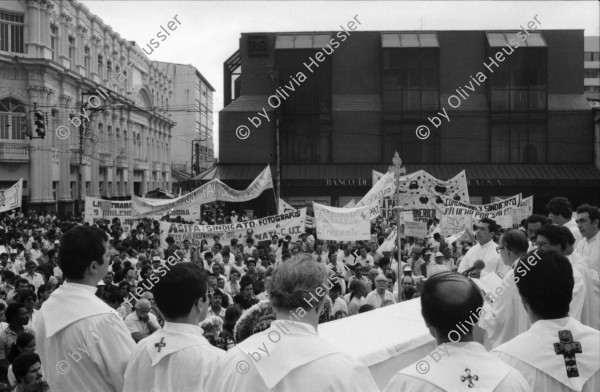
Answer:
x=485 y=175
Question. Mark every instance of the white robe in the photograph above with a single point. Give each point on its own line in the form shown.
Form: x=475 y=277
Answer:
x=444 y=369
x=374 y=299
x=83 y=343
x=533 y=353
x=289 y=356
x=487 y=253
x=571 y=225
x=590 y=315
x=507 y=317
x=183 y=363
x=591 y=250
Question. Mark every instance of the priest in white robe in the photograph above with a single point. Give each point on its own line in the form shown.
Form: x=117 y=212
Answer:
x=558 y=353
x=83 y=343
x=451 y=305
x=588 y=221
x=485 y=249
x=176 y=357
x=290 y=356
x=560 y=212
x=507 y=317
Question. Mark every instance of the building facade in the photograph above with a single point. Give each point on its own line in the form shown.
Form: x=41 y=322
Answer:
x=510 y=111
x=191 y=108
x=591 y=63
x=58 y=58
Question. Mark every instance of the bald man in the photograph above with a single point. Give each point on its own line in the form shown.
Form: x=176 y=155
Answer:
x=451 y=304
x=141 y=322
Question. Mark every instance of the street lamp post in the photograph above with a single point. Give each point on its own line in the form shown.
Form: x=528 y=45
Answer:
x=398 y=171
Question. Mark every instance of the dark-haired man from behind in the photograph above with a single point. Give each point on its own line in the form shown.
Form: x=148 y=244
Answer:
x=507 y=317
x=176 y=357
x=76 y=327
x=449 y=300
x=557 y=353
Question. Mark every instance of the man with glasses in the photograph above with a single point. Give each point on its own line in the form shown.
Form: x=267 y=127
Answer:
x=485 y=249
x=378 y=296
x=33 y=277
x=507 y=317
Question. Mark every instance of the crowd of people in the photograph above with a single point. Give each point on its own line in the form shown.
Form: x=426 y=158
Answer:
x=120 y=295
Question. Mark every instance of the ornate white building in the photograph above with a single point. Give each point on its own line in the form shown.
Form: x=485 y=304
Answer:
x=57 y=57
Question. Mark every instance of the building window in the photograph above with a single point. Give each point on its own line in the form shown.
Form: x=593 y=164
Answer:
x=306 y=126
x=11 y=33
x=72 y=51
x=591 y=56
x=100 y=65
x=86 y=59
x=108 y=69
x=12 y=120
x=54 y=41
x=410 y=92
x=592 y=73
x=517 y=93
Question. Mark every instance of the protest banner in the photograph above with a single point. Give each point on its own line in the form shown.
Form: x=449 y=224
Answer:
x=415 y=229
x=502 y=205
x=284 y=207
x=96 y=209
x=12 y=197
x=342 y=224
x=454 y=224
x=418 y=190
x=291 y=223
x=188 y=206
x=504 y=221
x=407 y=216
x=524 y=210
x=389 y=244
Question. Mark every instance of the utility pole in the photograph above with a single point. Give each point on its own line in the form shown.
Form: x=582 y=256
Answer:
x=275 y=83
x=398 y=171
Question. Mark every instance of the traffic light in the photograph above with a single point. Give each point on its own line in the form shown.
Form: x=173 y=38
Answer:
x=40 y=123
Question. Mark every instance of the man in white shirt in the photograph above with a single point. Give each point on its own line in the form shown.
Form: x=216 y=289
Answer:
x=176 y=357
x=34 y=278
x=560 y=213
x=377 y=297
x=507 y=317
x=141 y=322
x=450 y=305
x=83 y=343
x=485 y=249
x=290 y=356
x=557 y=353
x=365 y=259
x=588 y=221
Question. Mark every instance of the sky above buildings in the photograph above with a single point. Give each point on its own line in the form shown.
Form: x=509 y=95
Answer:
x=209 y=31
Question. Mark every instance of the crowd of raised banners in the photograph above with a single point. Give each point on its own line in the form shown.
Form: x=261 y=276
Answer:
x=289 y=223
x=422 y=196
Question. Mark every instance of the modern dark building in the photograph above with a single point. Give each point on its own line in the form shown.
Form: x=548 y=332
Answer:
x=506 y=106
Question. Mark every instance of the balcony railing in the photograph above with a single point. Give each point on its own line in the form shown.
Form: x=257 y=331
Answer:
x=122 y=162
x=14 y=152
x=140 y=164
x=156 y=166
x=106 y=159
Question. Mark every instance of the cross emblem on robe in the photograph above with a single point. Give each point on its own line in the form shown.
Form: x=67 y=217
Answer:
x=469 y=377
x=568 y=348
x=160 y=344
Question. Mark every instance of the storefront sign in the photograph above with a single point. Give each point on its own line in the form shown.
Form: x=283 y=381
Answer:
x=348 y=182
